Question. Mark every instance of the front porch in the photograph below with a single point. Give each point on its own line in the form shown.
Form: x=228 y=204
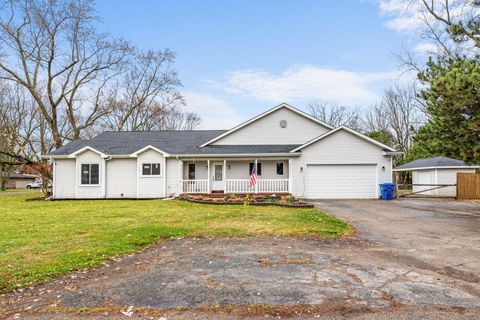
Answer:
x=233 y=176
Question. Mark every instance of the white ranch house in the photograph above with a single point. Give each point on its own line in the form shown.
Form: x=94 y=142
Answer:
x=295 y=154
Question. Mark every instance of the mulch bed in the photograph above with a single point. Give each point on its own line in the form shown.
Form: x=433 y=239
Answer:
x=285 y=205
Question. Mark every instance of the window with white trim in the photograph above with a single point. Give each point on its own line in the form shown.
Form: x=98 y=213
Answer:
x=90 y=173
x=150 y=169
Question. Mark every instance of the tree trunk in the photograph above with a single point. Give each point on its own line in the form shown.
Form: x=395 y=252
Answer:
x=4 y=174
x=56 y=137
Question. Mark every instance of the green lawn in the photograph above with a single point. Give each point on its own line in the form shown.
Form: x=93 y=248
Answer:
x=42 y=239
x=18 y=190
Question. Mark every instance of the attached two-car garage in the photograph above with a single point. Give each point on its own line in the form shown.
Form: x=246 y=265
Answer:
x=341 y=181
x=342 y=164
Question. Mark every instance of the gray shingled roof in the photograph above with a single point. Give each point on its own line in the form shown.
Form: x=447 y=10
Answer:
x=433 y=162
x=173 y=142
x=22 y=176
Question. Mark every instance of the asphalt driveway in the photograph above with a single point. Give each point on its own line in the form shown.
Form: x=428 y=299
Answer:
x=411 y=259
x=442 y=233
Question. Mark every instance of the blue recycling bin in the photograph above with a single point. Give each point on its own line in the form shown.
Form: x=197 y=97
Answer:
x=387 y=191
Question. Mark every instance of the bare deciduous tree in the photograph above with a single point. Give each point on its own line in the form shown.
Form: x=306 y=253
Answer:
x=447 y=28
x=399 y=113
x=144 y=94
x=459 y=19
x=53 y=50
x=177 y=119
x=21 y=136
x=336 y=115
x=77 y=81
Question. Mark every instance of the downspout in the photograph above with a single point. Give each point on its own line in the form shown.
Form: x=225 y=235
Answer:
x=104 y=191
x=179 y=188
x=164 y=176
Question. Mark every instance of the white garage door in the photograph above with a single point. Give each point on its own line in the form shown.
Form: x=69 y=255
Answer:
x=423 y=177
x=341 y=181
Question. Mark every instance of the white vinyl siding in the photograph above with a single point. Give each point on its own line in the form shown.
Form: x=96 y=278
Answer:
x=267 y=130
x=150 y=186
x=201 y=170
x=89 y=191
x=172 y=172
x=341 y=181
x=449 y=176
x=340 y=148
x=64 y=183
x=437 y=176
x=121 y=178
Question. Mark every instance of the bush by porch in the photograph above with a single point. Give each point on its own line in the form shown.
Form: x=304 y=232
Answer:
x=282 y=200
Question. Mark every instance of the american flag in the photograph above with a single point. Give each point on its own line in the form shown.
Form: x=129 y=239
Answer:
x=253 y=175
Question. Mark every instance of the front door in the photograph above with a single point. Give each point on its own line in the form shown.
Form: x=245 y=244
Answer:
x=217 y=180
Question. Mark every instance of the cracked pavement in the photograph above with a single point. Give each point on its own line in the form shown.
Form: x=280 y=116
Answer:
x=365 y=277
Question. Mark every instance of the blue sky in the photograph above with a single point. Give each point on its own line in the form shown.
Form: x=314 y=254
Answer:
x=237 y=58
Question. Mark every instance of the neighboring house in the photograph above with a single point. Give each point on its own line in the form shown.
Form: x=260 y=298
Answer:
x=20 y=180
x=295 y=153
x=429 y=172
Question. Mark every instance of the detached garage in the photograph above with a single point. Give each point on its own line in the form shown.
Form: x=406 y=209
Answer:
x=428 y=173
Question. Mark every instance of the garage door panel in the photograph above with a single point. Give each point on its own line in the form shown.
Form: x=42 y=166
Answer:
x=341 y=181
x=423 y=177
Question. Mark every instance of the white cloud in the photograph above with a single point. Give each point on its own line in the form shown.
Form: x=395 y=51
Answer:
x=306 y=83
x=426 y=48
x=403 y=15
x=411 y=15
x=214 y=112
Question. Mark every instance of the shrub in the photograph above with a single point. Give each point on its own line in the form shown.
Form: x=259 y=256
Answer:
x=289 y=199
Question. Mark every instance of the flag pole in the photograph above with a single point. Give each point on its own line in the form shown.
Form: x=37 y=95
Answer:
x=256 y=182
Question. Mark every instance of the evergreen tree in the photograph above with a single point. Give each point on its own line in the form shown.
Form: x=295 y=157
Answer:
x=453 y=104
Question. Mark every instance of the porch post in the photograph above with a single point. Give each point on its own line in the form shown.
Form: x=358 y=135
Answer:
x=180 y=176
x=208 y=176
x=224 y=175
x=289 y=175
x=256 y=184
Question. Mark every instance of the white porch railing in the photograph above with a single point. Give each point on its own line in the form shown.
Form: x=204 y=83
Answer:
x=195 y=186
x=238 y=186
x=263 y=186
x=272 y=185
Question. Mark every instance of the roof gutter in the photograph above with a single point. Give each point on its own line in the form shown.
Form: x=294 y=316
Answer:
x=440 y=167
x=238 y=155
x=393 y=153
x=208 y=155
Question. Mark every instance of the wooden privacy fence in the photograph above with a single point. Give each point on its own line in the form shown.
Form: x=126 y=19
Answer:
x=468 y=185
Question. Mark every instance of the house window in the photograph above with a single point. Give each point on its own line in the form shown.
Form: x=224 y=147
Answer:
x=191 y=171
x=280 y=168
x=90 y=173
x=259 y=168
x=151 y=169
